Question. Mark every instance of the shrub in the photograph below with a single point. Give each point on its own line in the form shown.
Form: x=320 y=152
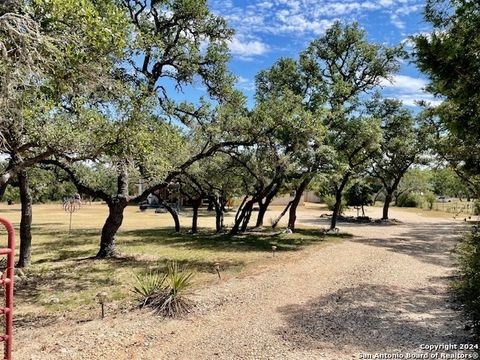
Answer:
x=408 y=200
x=329 y=200
x=358 y=196
x=431 y=199
x=147 y=285
x=476 y=207
x=166 y=294
x=469 y=285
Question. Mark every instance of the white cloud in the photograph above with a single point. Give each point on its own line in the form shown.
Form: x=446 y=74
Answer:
x=412 y=100
x=408 y=9
x=245 y=84
x=408 y=89
x=300 y=20
x=405 y=83
x=247 y=48
x=300 y=17
x=397 y=22
x=265 y=5
x=386 y=3
x=298 y=23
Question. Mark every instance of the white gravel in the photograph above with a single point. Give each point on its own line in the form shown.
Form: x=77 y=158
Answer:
x=386 y=290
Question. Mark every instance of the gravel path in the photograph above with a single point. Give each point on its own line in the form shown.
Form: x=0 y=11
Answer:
x=386 y=290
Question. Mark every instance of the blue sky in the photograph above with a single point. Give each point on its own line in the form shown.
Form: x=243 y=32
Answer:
x=268 y=30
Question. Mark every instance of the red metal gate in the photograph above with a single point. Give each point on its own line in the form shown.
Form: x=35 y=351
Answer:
x=6 y=281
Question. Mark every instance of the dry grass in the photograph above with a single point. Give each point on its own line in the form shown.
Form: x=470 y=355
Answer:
x=450 y=210
x=64 y=279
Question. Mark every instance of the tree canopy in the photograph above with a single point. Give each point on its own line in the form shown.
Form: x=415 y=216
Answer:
x=449 y=57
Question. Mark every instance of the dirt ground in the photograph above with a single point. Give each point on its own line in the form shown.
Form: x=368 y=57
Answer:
x=385 y=290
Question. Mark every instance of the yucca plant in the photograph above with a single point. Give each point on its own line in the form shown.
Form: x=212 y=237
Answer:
x=147 y=285
x=167 y=297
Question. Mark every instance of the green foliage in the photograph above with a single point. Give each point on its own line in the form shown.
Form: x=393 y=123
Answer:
x=448 y=55
x=359 y=195
x=165 y=294
x=476 y=209
x=45 y=185
x=431 y=199
x=178 y=281
x=416 y=181
x=147 y=285
x=185 y=35
x=51 y=70
x=409 y=200
x=469 y=285
x=11 y=193
x=446 y=182
x=343 y=64
x=402 y=144
x=330 y=201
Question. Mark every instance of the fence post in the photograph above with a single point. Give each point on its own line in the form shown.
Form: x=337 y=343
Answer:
x=7 y=282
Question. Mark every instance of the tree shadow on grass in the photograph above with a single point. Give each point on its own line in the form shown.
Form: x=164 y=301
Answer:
x=245 y=242
x=79 y=275
x=161 y=264
x=372 y=318
x=63 y=266
x=82 y=244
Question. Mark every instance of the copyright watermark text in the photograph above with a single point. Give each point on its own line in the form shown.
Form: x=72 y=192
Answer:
x=430 y=351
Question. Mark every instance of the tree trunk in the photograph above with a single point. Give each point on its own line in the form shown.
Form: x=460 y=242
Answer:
x=110 y=228
x=239 y=217
x=174 y=214
x=263 y=207
x=247 y=216
x=292 y=215
x=242 y=218
x=196 y=205
x=336 y=209
x=240 y=208
x=211 y=206
x=284 y=211
x=386 y=204
x=3 y=188
x=24 y=258
x=338 y=201
x=219 y=217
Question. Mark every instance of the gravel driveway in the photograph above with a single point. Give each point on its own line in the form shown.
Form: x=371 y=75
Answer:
x=385 y=290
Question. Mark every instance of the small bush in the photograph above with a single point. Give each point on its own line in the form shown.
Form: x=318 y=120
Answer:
x=166 y=294
x=469 y=285
x=330 y=200
x=476 y=207
x=147 y=285
x=409 y=200
x=431 y=199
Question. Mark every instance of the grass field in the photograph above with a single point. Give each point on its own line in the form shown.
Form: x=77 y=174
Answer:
x=63 y=278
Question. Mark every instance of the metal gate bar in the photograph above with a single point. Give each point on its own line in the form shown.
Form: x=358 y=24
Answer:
x=7 y=282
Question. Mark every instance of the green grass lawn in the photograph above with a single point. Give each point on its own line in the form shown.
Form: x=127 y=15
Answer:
x=62 y=265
